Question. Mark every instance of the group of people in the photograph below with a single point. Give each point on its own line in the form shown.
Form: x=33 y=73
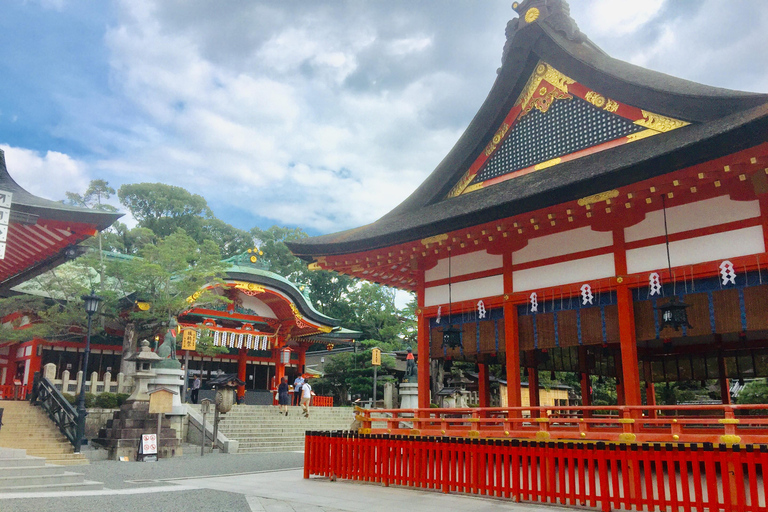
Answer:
x=302 y=395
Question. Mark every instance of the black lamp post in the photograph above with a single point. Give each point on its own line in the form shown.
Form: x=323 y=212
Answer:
x=91 y=305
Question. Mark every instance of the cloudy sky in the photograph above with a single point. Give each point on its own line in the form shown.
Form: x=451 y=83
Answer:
x=322 y=115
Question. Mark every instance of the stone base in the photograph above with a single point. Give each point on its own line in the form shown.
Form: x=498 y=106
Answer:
x=409 y=395
x=123 y=432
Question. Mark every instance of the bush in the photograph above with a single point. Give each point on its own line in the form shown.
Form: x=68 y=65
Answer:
x=121 y=398
x=106 y=401
x=90 y=398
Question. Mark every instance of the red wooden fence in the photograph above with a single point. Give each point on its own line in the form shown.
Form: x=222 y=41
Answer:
x=12 y=392
x=322 y=401
x=598 y=475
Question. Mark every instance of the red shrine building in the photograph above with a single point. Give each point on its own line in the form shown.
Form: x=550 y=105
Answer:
x=584 y=196
x=267 y=325
x=40 y=235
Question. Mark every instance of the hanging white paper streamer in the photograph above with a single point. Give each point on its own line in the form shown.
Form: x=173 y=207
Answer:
x=240 y=340
x=481 y=309
x=534 y=303
x=654 y=283
x=249 y=341
x=439 y=312
x=727 y=272
x=262 y=342
x=216 y=338
x=586 y=294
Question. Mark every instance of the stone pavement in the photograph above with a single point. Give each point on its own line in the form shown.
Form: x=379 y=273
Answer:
x=269 y=482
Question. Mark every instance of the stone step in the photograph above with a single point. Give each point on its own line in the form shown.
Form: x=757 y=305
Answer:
x=40 y=468
x=60 y=478
x=20 y=463
x=85 y=485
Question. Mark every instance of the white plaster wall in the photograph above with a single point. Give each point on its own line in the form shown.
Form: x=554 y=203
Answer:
x=568 y=242
x=741 y=242
x=464 y=264
x=466 y=290
x=701 y=214
x=258 y=306
x=567 y=272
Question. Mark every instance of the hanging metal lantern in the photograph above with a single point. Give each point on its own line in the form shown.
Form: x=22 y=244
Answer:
x=674 y=315
x=451 y=336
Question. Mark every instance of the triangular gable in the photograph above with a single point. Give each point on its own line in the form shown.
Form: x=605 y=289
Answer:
x=554 y=120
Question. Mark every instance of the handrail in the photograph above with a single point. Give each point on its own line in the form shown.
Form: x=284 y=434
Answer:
x=658 y=423
x=50 y=399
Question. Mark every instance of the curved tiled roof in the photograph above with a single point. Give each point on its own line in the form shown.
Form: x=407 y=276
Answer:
x=721 y=122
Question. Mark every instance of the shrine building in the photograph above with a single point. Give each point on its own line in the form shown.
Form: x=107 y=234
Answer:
x=39 y=235
x=268 y=324
x=585 y=195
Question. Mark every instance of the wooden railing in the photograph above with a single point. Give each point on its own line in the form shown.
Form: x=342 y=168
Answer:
x=728 y=424
x=12 y=392
x=607 y=476
x=50 y=399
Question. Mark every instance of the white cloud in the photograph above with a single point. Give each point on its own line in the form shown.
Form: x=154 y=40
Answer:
x=46 y=175
x=618 y=18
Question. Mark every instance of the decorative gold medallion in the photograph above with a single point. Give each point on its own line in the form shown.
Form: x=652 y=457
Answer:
x=531 y=15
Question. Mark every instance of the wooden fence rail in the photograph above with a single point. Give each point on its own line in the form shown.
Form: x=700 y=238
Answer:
x=599 y=475
x=728 y=424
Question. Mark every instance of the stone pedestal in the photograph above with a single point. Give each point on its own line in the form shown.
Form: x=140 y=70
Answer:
x=140 y=386
x=409 y=395
x=170 y=379
x=123 y=432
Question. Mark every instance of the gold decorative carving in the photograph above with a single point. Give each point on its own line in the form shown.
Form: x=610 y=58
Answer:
x=659 y=123
x=531 y=15
x=459 y=187
x=627 y=438
x=632 y=137
x=558 y=79
x=596 y=198
x=542 y=435
x=595 y=99
x=730 y=439
x=542 y=91
x=249 y=288
x=543 y=102
x=434 y=239
x=611 y=106
x=548 y=163
x=324 y=328
x=491 y=147
x=472 y=188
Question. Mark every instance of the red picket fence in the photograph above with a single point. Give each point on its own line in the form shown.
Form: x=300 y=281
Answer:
x=322 y=401
x=598 y=475
x=12 y=392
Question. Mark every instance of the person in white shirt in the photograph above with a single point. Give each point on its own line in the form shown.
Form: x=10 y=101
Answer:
x=297 y=389
x=306 y=396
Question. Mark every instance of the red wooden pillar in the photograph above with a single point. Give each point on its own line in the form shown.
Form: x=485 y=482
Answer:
x=650 y=389
x=483 y=384
x=725 y=385
x=511 y=337
x=630 y=375
x=586 y=384
x=423 y=345
x=242 y=358
x=302 y=349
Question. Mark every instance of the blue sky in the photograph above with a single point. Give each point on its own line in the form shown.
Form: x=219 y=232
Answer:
x=322 y=115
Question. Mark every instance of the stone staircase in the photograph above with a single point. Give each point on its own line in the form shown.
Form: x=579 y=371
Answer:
x=20 y=473
x=27 y=427
x=259 y=428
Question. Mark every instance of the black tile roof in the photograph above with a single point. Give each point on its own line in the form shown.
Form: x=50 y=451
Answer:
x=722 y=122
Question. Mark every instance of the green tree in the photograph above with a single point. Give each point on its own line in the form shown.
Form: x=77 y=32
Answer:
x=754 y=392
x=350 y=373
x=165 y=208
x=277 y=257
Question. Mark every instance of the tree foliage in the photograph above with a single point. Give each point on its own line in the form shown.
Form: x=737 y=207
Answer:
x=350 y=373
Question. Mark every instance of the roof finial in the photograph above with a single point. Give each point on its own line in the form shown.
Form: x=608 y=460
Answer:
x=555 y=13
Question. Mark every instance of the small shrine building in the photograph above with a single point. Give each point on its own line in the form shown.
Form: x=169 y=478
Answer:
x=542 y=236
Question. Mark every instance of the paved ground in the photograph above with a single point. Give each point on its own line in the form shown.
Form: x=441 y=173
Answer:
x=269 y=482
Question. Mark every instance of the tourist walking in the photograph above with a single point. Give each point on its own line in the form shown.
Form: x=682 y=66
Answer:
x=195 y=393
x=306 y=396
x=283 y=400
x=297 y=383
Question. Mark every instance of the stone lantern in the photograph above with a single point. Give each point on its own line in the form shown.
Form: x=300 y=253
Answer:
x=144 y=359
